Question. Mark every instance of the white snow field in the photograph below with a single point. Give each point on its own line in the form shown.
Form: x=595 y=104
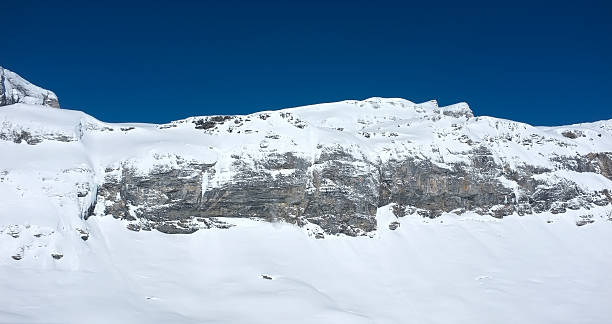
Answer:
x=449 y=270
x=57 y=267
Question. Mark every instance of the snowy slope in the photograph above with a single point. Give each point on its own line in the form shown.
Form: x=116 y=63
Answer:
x=458 y=270
x=66 y=255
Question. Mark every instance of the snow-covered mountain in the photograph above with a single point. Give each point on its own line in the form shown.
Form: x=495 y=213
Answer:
x=15 y=89
x=373 y=211
x=328 y=167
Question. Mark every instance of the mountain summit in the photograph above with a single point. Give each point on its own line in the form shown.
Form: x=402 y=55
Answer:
x=15 y=89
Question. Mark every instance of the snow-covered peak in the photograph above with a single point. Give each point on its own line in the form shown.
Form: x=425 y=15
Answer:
x=372 y=113
x=461 y=109
x=390 y=106
x=15 y=89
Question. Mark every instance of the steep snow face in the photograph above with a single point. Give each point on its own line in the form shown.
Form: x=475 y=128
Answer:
x=15 y=89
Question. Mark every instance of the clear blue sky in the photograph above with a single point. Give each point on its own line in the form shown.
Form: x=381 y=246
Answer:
x=156 y=61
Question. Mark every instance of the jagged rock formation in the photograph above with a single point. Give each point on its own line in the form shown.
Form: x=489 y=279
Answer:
x=329 y=167
x=331 y=191
x=15 y=89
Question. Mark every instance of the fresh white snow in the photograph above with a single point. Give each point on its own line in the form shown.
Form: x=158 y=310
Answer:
x=451 y=269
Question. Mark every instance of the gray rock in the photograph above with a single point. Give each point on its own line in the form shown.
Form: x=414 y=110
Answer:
x=584 y=220
x=394 y=225
x=339 y=190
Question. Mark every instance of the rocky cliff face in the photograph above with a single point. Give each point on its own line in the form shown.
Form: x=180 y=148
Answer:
x=15 y=89
x=328 y=167
x=334 y=165
x=335 y=191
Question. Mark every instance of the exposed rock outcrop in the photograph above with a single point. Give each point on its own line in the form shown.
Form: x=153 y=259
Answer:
x=327 y=167
x=339 y=190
